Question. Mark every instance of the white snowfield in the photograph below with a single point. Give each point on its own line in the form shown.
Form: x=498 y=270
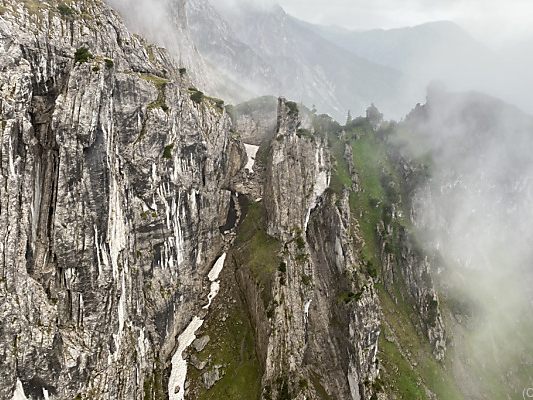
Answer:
x=213 y=277
x=176 y=382
x=178 y=374
x=251 y=152
x=322 y=181
x=306 y=310
x=217 y=268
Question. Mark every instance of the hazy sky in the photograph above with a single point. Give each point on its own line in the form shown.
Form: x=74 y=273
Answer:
x=505 y=19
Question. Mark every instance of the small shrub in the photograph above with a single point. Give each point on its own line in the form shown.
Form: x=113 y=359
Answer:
x=65 y=10
x=350 y=296
x=374 y=203
x=305 y=133
x=282 y=267
x=109 y=63
x=96 y=68
x=372 y=270
x=293 y=108
x=306 y=279
x=302 y=258
x=300 y=243
x=197 y=97
x=182 y=71
x=220 y=104
x=167 y=152
x=82 y=55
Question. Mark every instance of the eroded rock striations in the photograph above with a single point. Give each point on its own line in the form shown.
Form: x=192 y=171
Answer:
x=113 y=187
x=318 y=343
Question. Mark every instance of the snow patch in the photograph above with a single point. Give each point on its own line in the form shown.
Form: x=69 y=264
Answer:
x=19 y=394
x=217 y=268
x=215 y=288
x=306 y=310
x=98 y=251
x=178 y=374
x=213 y=277
x=117 y=243
x=322 y=180
x=12 y=171
x=251 y=152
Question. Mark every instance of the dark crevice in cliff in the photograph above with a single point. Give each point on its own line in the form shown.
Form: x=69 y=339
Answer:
x=45 y=180
x=232 y=217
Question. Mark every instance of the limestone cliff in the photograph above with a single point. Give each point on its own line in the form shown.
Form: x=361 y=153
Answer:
x=113 y=187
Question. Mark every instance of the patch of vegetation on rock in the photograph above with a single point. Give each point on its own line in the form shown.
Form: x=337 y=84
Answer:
x=293 y=108
x=66 y=11
x=197 y=96
x=167 y=152
x=82 y=55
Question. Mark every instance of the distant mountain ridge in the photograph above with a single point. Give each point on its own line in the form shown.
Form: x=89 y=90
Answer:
x=404 y=47
x=270 y=52
x=441 y=51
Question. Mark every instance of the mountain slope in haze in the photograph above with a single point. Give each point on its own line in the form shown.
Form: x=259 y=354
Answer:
x=409 y=47
x=474 y=215
x=270 y=52
x=441 y=51
x=237 y=62
x=165 y=23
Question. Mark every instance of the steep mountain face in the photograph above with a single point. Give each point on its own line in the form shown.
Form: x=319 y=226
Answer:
x=113 y=188
x=158 y=245
x=241 y=64
x=165 y=23
x=340 y=257
x=270 y=52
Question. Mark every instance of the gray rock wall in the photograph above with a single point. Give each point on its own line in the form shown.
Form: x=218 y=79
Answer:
x=113 y=186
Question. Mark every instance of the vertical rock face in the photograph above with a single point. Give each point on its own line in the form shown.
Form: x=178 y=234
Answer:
x=112 y=191
x=165 y=23
x=298 y=174
x=410 y=268
x=349 y=335
x=320 y=341
x=407 y=266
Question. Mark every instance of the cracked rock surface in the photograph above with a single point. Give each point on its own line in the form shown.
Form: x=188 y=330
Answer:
x=113 y=187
